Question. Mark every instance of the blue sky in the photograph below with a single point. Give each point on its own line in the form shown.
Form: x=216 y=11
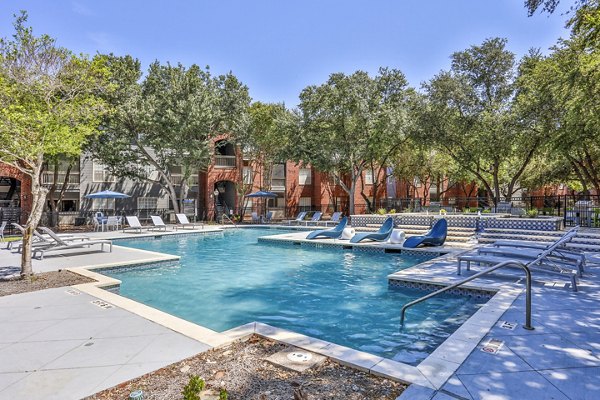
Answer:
x=278 y=47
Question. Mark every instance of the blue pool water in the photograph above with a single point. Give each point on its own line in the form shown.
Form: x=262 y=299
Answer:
x=226 y=280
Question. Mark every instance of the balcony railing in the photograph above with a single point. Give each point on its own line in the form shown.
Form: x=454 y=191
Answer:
x=225 y=161
x=193 y=180
x=48 y=178
x=278 y=185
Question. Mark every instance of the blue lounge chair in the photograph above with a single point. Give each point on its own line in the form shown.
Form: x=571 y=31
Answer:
x=381 y=235
x=333 y=233
x=435 y=237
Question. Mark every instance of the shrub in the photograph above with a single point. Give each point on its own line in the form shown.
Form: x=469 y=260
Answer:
x=487 y=211
x=382 y=211
x=222 y=394
x=532 y=213
x=192 y=390
x=393 y=211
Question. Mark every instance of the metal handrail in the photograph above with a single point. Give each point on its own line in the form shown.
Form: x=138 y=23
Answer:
x=503 y=264
x=230 y=220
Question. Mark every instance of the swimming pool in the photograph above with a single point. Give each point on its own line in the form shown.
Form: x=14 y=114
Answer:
x=226 y=280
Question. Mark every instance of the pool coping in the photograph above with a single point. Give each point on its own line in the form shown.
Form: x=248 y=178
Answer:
x=432 y=372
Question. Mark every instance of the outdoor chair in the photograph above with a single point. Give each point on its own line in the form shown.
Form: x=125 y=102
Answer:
x=40 y=240
x=298 y=219
x=383 y=234
x=503 y=207
x=268 y=217
x=183 y=222
x=333 y=233
x=335 y=218
x=546 y=261
x=65 y=245
x=158 y=223
x=134 y=224
x=113 y=222
x=435 y=237
x=316 y=217
x=435 y=206
x=255 y=218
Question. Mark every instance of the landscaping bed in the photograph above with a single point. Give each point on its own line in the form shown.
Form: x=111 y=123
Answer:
x=41 y=281
x=242 y=371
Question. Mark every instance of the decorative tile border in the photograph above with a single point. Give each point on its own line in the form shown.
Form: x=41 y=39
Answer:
x=368 y=249
x=532 y=224
x=430 y=287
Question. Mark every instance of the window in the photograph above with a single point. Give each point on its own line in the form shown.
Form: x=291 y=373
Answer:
x=147 y=203
x=100 y=173
x=305 y=202
x=369 y=177
x=103 y=204
x=417 y=182
x=278 y=177
x=305 y=176
x=247 y=174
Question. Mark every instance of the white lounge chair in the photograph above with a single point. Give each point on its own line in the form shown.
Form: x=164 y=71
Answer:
x=40 y=240
x=315 y=218
x=158 y=223
x=335 y=219
x=63 y=245
x=134 y=224
x=545 y=261
x=298 y=219
x=183 y=222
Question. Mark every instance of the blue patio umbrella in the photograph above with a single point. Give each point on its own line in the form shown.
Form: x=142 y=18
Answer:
x=262 y=194
x=107 y=194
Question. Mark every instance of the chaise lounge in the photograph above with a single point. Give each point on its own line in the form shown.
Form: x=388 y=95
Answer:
x=381 y=235
x=435 y=237
x=333 y=233
x=63 y=245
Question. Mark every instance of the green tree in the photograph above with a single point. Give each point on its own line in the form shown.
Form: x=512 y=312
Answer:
x=165 y=122
x=563 y=90
x=471 y=114
x=263 y=143
x=350 y=121
x=49 y=106
x=584 y=17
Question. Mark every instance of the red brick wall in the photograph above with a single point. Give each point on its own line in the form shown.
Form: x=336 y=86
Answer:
x=12 y=172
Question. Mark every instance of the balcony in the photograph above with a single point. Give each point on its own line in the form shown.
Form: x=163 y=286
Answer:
x=177 y=179
x=225 y=161
x=278 y=185
x=73 y=182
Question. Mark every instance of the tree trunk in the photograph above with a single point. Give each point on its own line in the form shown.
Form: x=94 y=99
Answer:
x=38 y=194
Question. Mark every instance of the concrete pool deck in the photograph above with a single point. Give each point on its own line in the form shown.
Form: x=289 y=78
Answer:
x=560 y=359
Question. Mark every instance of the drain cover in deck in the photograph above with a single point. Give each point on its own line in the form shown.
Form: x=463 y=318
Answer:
x=295 y=359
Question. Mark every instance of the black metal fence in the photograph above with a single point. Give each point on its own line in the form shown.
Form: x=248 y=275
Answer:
x=583 y=210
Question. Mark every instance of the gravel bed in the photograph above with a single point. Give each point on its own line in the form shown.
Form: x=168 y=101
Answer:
x=240 y=369
x=41 y=281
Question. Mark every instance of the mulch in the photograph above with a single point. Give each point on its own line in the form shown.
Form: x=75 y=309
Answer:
x=241 y=369
x=41 y=281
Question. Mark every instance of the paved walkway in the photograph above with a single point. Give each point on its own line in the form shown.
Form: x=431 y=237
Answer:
x=59 y=344
x=559 y=360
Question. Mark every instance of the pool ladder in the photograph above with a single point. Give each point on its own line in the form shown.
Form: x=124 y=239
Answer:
x=509 y=263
